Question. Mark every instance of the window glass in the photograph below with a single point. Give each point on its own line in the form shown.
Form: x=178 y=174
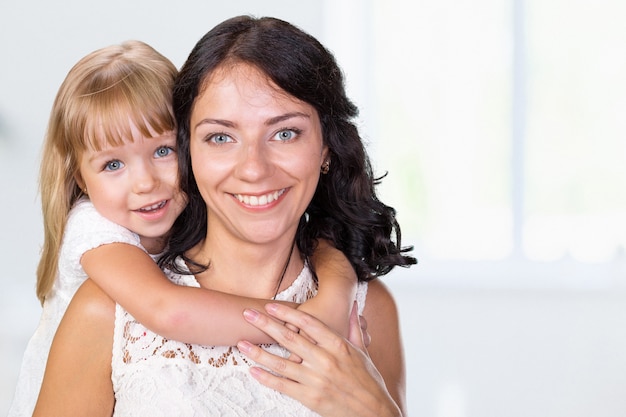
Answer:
x=576 y=130
x=443 y=75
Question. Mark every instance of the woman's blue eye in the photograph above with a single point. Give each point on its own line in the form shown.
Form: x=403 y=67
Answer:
x=286 y=135
x=163 y=151
x=220 y=138
x=113 y=165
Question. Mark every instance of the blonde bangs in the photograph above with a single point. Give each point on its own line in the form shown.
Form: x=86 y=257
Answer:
x=112 y=111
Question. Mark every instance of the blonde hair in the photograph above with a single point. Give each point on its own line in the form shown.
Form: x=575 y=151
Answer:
x=102 y=96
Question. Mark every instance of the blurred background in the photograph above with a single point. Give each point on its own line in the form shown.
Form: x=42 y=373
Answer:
x=502 y=126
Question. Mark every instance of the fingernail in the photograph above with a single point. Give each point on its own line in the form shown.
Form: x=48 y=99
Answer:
x=271 y=307
x=244 y=346
x=250 y=315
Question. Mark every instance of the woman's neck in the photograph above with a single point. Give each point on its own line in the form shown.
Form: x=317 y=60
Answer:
x=247 y=269
x=153 y=246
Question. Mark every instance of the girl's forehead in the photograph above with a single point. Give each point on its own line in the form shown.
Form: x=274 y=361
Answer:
x=111 y=135
x=108 y=134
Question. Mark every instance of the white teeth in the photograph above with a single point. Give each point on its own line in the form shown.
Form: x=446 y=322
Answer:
x=154 y=206
x=261 y=200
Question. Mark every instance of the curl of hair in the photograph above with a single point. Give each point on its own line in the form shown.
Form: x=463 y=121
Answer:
x=102 y=96
x=344 y=209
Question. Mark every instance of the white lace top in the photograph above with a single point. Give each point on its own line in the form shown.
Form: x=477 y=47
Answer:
x=85 y=230
x=156 y=377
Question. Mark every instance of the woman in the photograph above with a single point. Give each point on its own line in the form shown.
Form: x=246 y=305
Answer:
x=271 y=162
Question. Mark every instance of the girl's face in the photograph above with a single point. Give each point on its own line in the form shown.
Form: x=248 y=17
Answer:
x=135 y=185
x=256 y=154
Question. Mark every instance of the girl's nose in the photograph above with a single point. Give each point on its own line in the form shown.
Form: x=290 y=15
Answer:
x=144 y=179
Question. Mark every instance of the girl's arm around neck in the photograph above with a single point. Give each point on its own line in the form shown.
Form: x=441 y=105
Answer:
x=188 y=314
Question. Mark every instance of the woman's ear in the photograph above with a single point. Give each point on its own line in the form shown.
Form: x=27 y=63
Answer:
x=325 y=166
x=325 y=153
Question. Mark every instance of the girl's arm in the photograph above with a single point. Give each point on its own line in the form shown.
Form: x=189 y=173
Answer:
x=77 y=381
x=336 y=288
x=189 y=314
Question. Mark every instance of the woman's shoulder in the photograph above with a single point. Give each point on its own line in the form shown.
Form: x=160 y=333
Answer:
x=381 y=311
x=92 y=305
x=79 y=365
x=385 y=349
x=379 y=297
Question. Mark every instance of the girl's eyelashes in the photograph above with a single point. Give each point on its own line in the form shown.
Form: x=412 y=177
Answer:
x=113 y=165
x=164 y=151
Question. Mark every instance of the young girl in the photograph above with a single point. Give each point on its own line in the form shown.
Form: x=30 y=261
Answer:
x=110 y=197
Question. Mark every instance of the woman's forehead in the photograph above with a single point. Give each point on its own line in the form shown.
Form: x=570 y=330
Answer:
x=248 y=83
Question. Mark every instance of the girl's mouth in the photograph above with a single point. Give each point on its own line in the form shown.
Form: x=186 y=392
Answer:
x=153 y=207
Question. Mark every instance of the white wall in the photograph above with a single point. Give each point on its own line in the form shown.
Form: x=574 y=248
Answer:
x=477 y=351
x=472 y=351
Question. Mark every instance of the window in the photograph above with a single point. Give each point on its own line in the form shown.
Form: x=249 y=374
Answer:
x=576 y=131
x=502 y=125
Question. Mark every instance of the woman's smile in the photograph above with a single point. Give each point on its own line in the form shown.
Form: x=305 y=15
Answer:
x=260 y=200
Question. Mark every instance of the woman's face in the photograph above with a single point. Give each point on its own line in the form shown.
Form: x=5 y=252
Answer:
x=256 y=154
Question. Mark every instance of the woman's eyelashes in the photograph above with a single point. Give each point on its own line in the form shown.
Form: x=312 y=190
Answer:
x=287 y=135
x=283 y=135
x=219 y=138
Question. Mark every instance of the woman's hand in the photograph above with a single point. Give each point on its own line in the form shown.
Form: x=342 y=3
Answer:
x=332 y=376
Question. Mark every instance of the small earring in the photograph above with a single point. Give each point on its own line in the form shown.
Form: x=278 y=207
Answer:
x=325 y=167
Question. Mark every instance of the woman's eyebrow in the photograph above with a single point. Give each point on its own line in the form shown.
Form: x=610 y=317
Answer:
x=221 y=122
x=286 y=116
x=269 y=122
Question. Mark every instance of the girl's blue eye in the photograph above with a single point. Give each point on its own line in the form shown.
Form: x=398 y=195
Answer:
x=113 y=165
x=286 y=135
x=163 y=151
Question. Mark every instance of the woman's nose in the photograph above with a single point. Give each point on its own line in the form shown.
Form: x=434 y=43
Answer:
x=254 y=162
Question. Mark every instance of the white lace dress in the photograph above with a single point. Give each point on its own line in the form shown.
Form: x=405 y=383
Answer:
x=156 y=377
x=86 y=229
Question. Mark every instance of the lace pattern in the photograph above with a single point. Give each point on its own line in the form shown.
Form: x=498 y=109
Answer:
x=156 y=376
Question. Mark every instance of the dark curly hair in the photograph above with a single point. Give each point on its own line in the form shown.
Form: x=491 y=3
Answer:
x=345 y=209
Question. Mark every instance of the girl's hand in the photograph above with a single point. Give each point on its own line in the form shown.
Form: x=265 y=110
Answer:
x=334 y=376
